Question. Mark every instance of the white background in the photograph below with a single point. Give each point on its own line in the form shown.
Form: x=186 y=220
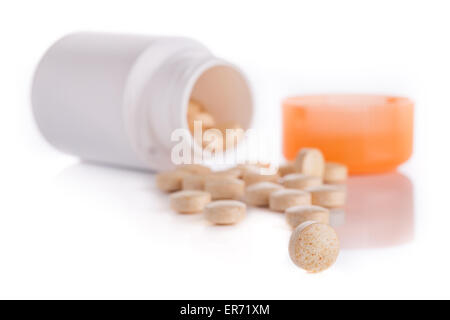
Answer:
x=73 y=230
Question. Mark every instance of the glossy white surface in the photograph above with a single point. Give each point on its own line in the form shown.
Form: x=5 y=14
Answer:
x=74 y=230
x=102 y=232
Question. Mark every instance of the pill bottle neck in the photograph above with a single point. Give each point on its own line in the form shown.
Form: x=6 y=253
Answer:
x=163 y=103
x=195 y=73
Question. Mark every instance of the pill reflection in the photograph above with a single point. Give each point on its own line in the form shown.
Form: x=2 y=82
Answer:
x=379 y=212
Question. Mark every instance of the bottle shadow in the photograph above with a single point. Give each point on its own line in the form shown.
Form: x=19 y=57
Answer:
x=379 y=212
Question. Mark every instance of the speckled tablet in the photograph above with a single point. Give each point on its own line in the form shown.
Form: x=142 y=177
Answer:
x=314 y=246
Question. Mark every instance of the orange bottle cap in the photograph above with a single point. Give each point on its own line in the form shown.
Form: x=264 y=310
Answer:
x=368 y=133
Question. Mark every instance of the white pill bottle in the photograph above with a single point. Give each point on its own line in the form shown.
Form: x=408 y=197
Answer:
x=116 y=99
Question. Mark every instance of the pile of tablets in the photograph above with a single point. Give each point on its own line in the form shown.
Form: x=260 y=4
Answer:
x=305 y=190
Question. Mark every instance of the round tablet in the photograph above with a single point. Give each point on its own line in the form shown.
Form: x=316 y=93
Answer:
x=329 y=196
x=193 y=182
x=256 y=174
x=206 y=119
x=299 y=214
x=189 y=201
x=234 y=172
x=225 y=212
x=335 y=173
x=258 y=194
x=310 y=161
x=194 y=168
x=170 y=181
x=225 y=188
x=300 y=181
x=282 y=199
x=314 y=246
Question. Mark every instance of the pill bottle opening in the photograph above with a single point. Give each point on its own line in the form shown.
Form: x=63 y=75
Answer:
x=223 y=92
